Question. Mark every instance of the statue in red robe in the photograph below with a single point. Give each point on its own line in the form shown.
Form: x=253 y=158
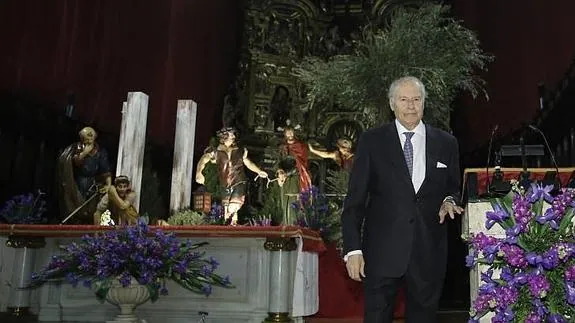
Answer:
x=297 y=150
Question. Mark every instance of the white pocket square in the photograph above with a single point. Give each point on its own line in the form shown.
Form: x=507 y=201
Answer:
x=441 y=165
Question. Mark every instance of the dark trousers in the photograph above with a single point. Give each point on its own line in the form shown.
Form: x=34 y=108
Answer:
x=422 y=292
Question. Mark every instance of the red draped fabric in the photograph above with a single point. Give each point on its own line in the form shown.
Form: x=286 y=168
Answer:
x=299 y=151
x=339 y=295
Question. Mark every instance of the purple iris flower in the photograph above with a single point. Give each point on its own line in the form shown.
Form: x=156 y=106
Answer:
x=533 y=259
x=498 y=215
x=556 y=318
x=549 y=215
x=570 y=293
x=537 y=192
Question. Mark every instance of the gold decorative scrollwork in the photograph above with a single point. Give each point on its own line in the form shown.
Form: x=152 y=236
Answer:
x=280 y=244
x=278 y=318
x=18 y=311
x=25 y=242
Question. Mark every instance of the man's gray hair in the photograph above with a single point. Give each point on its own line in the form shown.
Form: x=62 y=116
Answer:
x=405 y=79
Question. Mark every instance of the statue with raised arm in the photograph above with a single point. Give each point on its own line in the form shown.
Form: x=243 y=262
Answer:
x=83 y=173
x=230 y=161
x=343 y=155
x=119 y=200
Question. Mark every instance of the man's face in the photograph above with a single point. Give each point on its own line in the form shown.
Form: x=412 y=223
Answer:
x=289 y=135
x=88 y=136
x=122 y=189
x=344 y=146
x=229 y=139
x=282 y=176
x=407 y=105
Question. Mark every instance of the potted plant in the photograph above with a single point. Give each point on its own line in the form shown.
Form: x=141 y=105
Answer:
x=133 y=261
x=528 y=276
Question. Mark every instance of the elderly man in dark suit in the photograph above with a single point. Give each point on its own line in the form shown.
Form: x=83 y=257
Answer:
x=404 y=182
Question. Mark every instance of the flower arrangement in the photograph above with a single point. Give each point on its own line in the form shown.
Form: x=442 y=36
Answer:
x=535 y=260
x=216 y=215
x=149 y=256
x=314 y=211
x=24 y=209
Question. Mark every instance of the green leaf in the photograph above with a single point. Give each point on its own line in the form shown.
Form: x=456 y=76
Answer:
x=154 y=294
x=102 y=288
x=566 y=221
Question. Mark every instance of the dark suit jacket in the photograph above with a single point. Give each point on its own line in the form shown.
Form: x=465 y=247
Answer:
x=401 y=227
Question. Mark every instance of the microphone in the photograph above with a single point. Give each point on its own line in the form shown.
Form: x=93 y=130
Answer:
x=489 y=157
x=532 y=127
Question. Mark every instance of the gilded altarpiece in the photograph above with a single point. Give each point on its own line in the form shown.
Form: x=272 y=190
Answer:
x=267 y=96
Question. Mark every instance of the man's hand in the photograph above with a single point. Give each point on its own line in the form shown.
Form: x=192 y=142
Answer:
x=450 y=208
x=105 y=188
x=87 y=149
x=355 y=267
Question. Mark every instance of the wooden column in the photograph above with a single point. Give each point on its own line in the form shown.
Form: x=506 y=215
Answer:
x=183 y=166
x=121 y=144
x=133 y=141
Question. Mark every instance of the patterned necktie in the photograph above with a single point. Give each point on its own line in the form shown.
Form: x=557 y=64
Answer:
x=408 y=152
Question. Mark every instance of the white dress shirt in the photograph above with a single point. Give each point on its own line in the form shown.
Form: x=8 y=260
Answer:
x=418 y=143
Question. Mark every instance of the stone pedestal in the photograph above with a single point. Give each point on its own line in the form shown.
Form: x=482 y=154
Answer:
x=18 y=302
x=281 y=250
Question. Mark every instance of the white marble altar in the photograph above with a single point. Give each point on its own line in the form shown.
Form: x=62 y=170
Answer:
x=6 y=261
x=261 y=286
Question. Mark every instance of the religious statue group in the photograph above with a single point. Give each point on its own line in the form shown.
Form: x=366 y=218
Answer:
x=85 y=185
x=87 y=190
x=292 y=170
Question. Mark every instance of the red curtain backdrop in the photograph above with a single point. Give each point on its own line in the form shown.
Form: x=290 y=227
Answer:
x=174 y=49
x=100 y=50
x=533 y=41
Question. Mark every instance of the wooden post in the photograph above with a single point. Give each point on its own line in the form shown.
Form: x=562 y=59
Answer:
x=133 y=141
x=121 y=143
x=183 y=166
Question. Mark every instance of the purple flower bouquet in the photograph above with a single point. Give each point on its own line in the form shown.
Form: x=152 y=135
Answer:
x=149 y=256
x=314 y=211
x=24 y=209
x=535 y=261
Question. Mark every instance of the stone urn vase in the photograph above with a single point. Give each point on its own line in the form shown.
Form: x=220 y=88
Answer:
x=127 y=299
